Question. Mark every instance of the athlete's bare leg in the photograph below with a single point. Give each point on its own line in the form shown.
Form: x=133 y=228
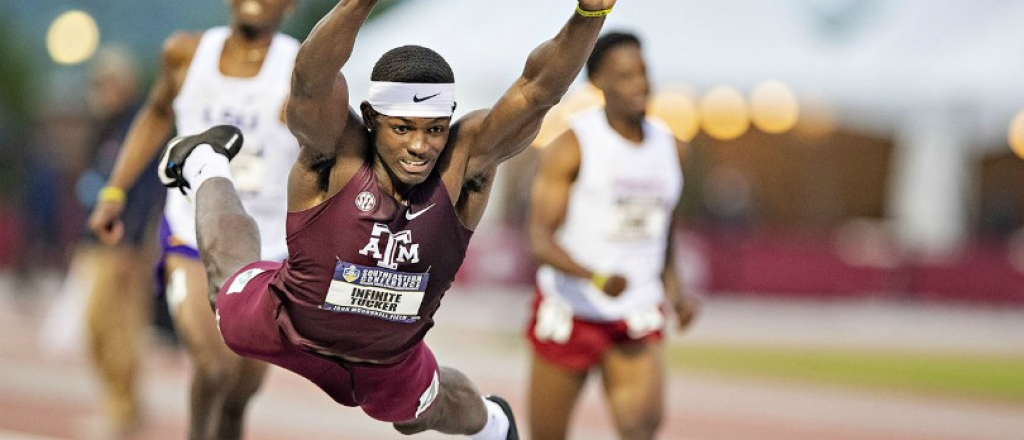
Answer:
x=246 y=384
x=634 y=383
x=119 y=303
x=459 y=409
x=553 y=395
x=195 y=322
x=228 y=237
x=216 y=403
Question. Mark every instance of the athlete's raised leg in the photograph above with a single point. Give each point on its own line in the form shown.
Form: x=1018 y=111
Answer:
x=228 y=237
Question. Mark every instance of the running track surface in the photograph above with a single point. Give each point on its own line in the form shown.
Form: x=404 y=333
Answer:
x=46 y=397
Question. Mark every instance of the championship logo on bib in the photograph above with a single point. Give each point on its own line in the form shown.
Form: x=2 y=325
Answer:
x=350 y=273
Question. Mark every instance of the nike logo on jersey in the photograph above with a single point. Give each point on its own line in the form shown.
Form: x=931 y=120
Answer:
x=409 y=215
x=418 y=99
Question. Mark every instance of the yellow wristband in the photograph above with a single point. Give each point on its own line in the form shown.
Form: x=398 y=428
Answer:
x=587 y=13
x=599 y=280
x=112 y=194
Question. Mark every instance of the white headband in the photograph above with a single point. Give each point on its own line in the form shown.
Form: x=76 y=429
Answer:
x=416 y=100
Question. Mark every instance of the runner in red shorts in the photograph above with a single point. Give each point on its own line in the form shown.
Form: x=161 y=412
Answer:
x=601 y=226
x=382 y=203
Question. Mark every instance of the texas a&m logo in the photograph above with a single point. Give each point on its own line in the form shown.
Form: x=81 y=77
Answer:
x=398 y=247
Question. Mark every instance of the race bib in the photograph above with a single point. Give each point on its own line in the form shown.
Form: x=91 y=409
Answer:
x=635 y=219
x=375 y=291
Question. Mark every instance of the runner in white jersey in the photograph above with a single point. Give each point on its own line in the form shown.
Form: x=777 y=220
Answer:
x=617 y=222
x=238 y=75
x=207 y=98
x=601 y=226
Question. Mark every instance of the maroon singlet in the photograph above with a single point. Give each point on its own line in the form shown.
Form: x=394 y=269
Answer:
x=365 y=274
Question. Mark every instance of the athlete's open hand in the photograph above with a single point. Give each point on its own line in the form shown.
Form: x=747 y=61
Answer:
x=105 y=221
x=596 y=5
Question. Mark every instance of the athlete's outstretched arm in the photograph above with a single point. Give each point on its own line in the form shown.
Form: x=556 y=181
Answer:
x=150 y=128
x=318 y=109
x=514 y=120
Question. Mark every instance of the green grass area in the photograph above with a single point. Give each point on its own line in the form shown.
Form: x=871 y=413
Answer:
x=989 y=377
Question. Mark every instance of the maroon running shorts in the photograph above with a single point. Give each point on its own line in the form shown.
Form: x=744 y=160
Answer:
x=587 y=343
x=246 y=316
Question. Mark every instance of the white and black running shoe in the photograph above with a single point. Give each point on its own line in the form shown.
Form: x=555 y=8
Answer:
x=225 y=139
x=513 y=432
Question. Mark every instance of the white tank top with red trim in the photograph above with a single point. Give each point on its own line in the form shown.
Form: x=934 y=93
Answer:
x=618 y=218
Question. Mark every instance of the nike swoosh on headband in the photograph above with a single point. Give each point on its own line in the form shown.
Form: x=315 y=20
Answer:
x=418 y=99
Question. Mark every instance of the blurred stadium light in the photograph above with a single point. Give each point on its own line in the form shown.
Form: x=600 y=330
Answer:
x=72 y=38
